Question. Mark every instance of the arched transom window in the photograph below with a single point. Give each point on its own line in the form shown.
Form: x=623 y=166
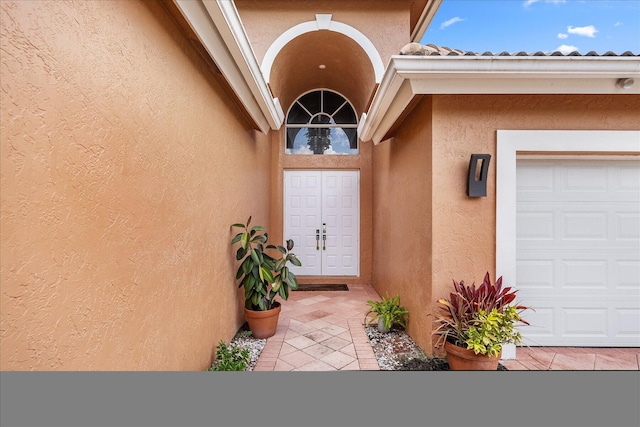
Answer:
x=322 y=122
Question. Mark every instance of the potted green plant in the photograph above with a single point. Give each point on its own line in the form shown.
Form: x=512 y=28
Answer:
x=387 y=313
x=263 y=277
x=473 y=324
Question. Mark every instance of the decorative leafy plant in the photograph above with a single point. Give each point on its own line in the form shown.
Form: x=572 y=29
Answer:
x=389 y=310
x=230 y=358
x=482 y=316
x=263 y=276
x=493 y=329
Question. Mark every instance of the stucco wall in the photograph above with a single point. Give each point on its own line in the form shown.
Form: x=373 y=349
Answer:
x=462 y=125
x=402 y=223
x=463 y=228
x=385 y=23
x=124 y=162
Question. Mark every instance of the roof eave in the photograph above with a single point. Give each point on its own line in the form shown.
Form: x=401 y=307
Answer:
x=409 y=76
x=425 y=19
x=220 y=31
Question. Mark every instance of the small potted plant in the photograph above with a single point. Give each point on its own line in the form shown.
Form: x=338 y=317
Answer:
x=387 y=313
x=473 y=324
x=230 y=358
x=263 y=277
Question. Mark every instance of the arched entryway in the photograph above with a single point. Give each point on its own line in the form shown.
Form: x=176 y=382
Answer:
x=324 y=79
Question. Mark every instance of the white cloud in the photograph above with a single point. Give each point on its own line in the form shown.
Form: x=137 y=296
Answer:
x=300 y=150
x=617 y=24
x=451 y=21
x=566 y=49
x=562 y=35
x=528 y=3
x=588 y=31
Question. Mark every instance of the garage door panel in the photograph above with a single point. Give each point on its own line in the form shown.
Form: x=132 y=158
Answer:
x=536 y=225
x=572 y=252
x=598 y=275
x=584 y=322
x=627 y=275
x=627 y=226
x=535 y=179
x=627 y=181
x=627 y=323
x=580 y=322
x=587 y=225
x=584 y=274
x=578 y=178
x=565 y=296
x=575 y=180
x=535 y=274
x=614 y=222
x=578 y=251
x=541 y=328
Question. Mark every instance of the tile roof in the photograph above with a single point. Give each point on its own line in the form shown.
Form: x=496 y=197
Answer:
x=433 y=50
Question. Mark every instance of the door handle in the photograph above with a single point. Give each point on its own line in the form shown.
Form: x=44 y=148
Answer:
x=317 y=239
x=324 y=236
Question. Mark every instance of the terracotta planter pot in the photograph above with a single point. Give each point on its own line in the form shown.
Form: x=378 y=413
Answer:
x=463 y=359
x=263 y=324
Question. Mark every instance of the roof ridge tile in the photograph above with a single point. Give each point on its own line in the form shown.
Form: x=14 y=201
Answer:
x=435 y=50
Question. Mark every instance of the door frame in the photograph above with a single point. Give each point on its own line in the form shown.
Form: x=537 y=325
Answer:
x=511 y=143
x=359 y=214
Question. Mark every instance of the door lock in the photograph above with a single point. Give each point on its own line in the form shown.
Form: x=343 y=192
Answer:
x=317 y=239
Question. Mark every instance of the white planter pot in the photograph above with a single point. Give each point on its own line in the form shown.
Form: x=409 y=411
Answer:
x=508 y=352
x=381 y=327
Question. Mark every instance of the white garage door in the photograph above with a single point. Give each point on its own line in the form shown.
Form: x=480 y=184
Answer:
x=578 y=250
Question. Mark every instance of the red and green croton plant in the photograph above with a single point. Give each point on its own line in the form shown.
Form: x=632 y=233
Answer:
x=481 y=318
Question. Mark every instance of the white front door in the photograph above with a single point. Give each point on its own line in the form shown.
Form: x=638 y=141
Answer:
x=321 y=216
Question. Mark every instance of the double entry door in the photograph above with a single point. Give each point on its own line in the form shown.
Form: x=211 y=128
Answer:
x=322 y=216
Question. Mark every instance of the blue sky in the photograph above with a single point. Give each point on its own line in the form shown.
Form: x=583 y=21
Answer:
x=537 y=25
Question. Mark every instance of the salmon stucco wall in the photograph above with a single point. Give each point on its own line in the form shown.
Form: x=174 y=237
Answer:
x=123 y=164
x=402 y=223
x=385 y=23
x=464 y=228
x=435 y=145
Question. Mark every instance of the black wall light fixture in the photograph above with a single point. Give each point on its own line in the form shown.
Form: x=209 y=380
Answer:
x=477 y=175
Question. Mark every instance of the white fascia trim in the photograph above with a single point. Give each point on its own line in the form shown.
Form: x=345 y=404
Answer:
x=220 y=30
x=427 y=75
x=511 y=143
x=425 y=19
x=391 y=98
